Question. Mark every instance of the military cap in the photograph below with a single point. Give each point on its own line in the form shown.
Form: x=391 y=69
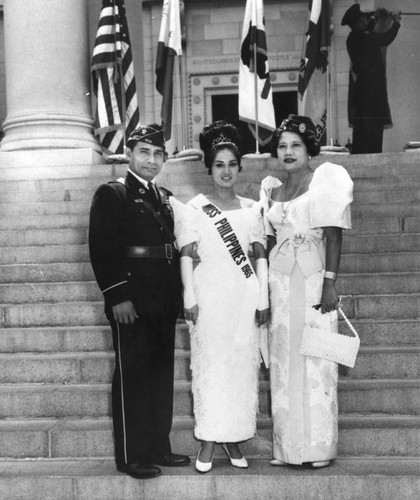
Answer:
x=351 y=15
x=151 y=134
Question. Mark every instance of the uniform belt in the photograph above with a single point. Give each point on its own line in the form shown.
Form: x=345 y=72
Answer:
x=166 y=251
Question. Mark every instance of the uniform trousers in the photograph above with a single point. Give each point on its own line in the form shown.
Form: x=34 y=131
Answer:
x=367 y=135
x=142 y=387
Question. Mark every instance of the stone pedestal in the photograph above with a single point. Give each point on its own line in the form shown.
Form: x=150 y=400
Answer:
x=47 y=76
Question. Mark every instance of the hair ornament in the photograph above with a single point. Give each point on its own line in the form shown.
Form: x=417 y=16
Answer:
x=221 y=138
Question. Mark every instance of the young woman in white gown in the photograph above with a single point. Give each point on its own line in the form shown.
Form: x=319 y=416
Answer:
x=305 y=218
x=224 y=299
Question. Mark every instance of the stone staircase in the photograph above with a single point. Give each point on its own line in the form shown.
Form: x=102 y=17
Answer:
x=56 y=356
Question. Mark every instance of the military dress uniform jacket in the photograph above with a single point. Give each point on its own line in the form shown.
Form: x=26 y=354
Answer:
x=368 y=96
x=132 y=256
x=119 y=220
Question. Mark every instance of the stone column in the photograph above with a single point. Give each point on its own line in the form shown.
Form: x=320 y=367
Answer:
x=47 y=76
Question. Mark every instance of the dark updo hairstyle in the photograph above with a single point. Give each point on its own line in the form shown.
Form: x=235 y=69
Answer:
x=217 y=136
x=301 y=125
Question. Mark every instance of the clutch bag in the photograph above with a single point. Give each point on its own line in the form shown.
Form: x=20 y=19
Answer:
x=329 y=345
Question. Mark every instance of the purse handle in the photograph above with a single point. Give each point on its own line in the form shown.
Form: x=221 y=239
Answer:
x=348 y=322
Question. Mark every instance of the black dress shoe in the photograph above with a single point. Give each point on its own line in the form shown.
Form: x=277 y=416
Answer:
x=170 y=460
x=140 y=471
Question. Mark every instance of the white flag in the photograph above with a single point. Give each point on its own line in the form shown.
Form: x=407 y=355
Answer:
x=255 y=94
x=313 y=74
x=169 y=46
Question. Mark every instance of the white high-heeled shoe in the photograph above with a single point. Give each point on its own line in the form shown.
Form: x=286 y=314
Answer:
x=203 y=466
x=323 y=463
x=277 y=462
x=242 y=463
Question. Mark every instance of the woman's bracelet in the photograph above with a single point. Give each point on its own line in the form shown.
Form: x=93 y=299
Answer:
x=330 y=275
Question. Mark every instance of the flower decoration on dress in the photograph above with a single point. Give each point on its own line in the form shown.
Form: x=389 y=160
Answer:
x=298 y=239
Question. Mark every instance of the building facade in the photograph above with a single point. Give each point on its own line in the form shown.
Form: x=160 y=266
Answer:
x=45 y=98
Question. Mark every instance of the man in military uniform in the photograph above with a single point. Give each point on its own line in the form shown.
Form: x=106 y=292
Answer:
x=368 y=107
x=137 y=269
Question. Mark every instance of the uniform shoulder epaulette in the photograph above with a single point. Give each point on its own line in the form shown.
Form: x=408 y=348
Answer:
x=120 y=180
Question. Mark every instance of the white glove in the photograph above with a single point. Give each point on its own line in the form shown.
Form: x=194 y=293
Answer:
x=186 y=264
x=261 y=269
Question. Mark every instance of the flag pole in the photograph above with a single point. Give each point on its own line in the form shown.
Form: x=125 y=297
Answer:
x=181 y=93
x=119 y=74
x=329 y=94
x=257 y=146
x=332 y=89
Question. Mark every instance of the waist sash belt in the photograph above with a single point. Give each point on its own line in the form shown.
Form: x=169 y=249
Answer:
x=166 y=251
x=302 y=249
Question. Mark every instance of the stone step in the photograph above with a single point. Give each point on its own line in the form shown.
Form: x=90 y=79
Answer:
x=377 y=283
x=377 y=333
x=74 y=196
x=408 y=194
x=385 y=306
x=81 y=270
x=97 y=367
x=74 y=188
x=79 y=171
x=33 y=254
x=390 y=258
x=379 y=262
x=360 y=435
x=353 y=284
x=19 y=293
x=353 y=243
x=45 y=208
x=365 y=166
x=385 y=210
x=380 y=166
x=353 y=478
x=368 y=224
x=40 y=237
x=383 y=243
x=32 y=159
x=390 y=396
x=54 y=271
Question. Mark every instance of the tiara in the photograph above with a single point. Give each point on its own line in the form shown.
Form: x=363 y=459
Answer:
x=221 y=138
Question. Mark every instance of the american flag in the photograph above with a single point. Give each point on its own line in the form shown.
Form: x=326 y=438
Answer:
x=114 y=84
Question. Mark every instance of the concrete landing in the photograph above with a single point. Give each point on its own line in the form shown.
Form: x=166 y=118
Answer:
x=346 y=479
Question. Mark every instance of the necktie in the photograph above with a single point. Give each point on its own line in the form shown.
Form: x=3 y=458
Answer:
x=153 y=195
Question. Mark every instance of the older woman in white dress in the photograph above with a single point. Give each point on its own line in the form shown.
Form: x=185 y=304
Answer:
x=225 y=300
x=305 y=217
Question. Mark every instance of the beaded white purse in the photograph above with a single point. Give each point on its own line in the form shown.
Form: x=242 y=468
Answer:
x=329 y=345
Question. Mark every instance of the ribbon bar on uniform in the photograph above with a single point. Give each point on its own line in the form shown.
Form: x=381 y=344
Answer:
x=166 y=251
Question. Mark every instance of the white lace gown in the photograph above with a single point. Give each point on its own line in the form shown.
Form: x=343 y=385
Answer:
x=225 y=355
x=303 y=389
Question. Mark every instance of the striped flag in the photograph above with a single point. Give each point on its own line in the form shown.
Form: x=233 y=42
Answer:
x=169 y=46
x=255 y=94
x=313 y=74
x=114 y=86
